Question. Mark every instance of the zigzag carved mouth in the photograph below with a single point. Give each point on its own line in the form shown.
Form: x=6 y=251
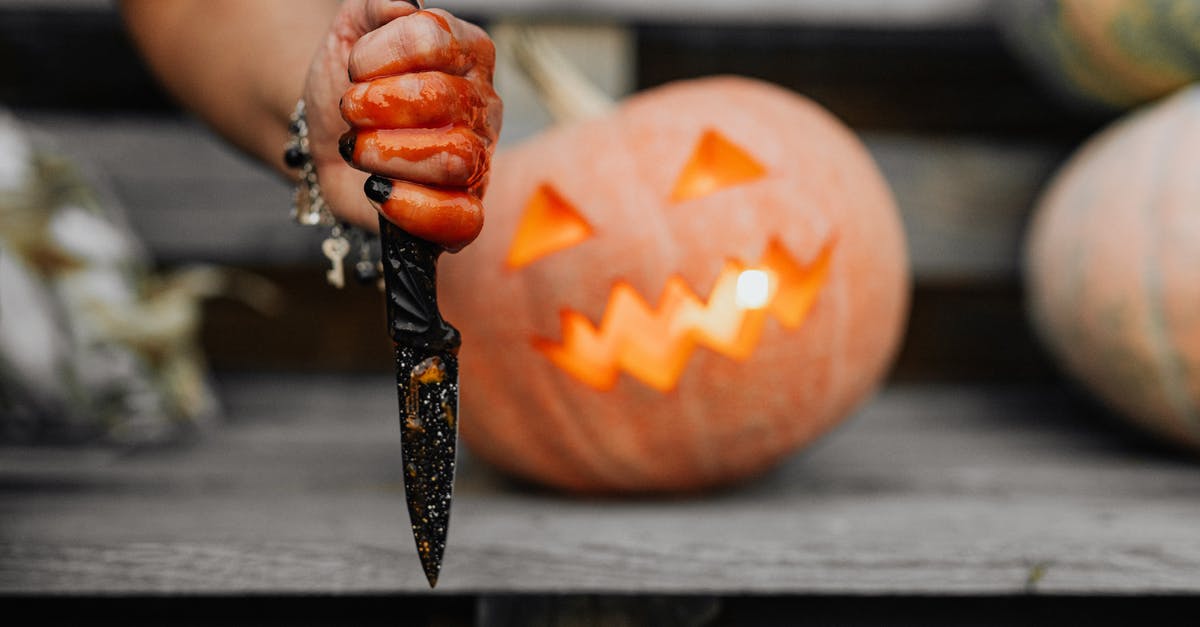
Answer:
x=654 y=344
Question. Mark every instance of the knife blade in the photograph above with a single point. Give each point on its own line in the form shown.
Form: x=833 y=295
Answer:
x=426 y=356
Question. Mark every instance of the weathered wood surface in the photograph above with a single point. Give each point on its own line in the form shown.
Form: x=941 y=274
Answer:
x=964 y=201
x=891 y=14
x=930 y=490
x=909 y=66
x=882 y=13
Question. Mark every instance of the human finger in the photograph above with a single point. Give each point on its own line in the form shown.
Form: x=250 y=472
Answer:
x=454 y=157
x=418 y=100
x=364 y=16
x=450 y=217
x=423 y=41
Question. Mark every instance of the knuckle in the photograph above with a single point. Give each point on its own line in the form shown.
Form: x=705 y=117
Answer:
x=457 y=168
x=350 y=101
x=444 y=14
x=487 y=49
x=373 y=11
x=355 y=62
x=463 y=167
x=417 y=28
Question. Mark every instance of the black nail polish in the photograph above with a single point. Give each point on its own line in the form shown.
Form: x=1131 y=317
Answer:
x=412 y=2
x=378 y=188
x=346 y=146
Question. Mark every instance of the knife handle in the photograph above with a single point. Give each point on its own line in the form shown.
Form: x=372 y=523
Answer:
x=410 y=276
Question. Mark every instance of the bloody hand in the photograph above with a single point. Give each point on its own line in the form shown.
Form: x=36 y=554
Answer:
x=424 y=120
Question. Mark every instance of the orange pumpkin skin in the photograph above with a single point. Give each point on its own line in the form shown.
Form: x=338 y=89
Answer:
x=724 y=419
x=1113 y=266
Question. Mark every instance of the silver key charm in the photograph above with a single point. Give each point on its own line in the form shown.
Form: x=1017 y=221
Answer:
x=336 y=248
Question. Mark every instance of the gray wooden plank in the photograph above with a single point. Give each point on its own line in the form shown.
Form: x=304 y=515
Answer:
x=863 y=13
x=188 y=194
x=890 y=14
x=92 y=5
x=930 y=490
x=964 y=200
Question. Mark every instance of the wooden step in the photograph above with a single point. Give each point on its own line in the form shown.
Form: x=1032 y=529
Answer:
x=930 y=490
x=964 y=200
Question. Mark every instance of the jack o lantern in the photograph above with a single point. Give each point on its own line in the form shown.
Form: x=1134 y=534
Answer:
x=677 y=294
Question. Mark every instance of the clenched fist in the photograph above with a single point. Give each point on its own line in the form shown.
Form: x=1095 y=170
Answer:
x=417 y=112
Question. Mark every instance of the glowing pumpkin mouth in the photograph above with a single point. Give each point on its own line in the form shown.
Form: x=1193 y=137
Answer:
x=654 y=344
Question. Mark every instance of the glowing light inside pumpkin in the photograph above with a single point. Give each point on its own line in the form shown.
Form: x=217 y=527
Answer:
x=549 y=224
x=654 y=344
x=716 y=163
x=753 y=289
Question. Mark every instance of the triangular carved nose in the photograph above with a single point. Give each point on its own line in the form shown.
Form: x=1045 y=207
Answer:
x=549 y=224
x=716 y=164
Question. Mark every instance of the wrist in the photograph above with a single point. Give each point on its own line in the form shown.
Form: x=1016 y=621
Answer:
x=309 y=208
x=308 y=204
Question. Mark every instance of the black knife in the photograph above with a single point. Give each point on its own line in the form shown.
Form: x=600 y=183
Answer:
x=427 y=385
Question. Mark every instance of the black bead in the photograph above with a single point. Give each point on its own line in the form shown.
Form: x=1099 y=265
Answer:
x=378 y=188
x=294 y=158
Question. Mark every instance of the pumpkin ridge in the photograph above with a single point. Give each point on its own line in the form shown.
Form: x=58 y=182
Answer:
x=837 y=342
x=1079 y=199
x=608 y=467
x=572 y=472
x=1076 y=287
x=492 y=446
x=1169 y=362
x=601 y=464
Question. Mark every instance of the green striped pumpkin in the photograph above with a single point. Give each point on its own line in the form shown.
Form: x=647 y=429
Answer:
x=1108 y=53
x=1113 y=266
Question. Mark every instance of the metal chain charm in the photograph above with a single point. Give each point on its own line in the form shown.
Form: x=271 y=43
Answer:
x=309 y=209
x=308 y=206
x=336 y=247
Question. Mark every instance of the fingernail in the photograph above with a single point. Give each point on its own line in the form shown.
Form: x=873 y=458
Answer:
x=378 y=188
x=412 y=2
x=346 y=146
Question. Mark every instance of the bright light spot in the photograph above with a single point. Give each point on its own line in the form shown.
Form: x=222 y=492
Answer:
x=753 y=289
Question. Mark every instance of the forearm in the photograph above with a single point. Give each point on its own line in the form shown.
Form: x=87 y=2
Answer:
x=240 y=65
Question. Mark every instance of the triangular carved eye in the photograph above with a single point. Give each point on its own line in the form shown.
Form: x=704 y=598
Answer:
x=549 y=224
x=716 y=164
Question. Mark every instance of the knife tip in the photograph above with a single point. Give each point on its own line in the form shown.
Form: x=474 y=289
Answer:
x=432 y=570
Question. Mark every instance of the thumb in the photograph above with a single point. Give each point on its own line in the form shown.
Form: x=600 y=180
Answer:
x=368 y=15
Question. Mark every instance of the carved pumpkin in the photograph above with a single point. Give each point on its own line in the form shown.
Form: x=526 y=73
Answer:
x=1114 y=266
x=677 y=294
x=1111 y=53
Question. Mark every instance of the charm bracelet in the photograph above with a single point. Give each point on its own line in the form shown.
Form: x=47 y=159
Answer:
x=309 y=209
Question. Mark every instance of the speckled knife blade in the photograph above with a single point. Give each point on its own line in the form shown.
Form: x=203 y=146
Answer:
x=427 y=385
